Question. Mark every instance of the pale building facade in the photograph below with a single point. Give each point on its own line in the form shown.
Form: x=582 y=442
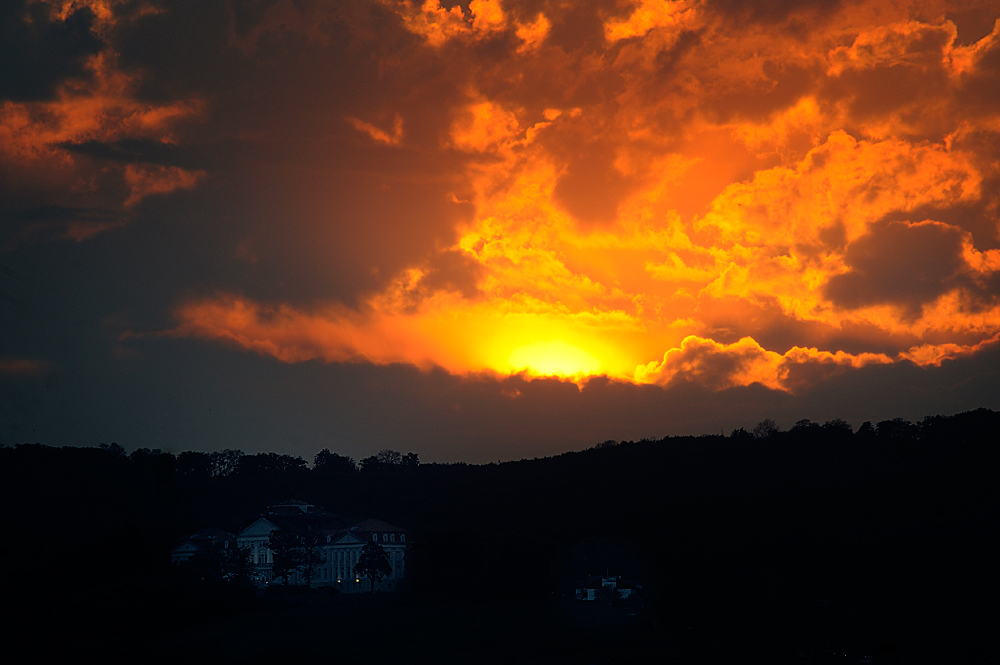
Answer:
x=254 y=538
x=338 y=552
x=343 y=549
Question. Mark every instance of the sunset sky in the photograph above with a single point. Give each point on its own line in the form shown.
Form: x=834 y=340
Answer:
x=495 y=229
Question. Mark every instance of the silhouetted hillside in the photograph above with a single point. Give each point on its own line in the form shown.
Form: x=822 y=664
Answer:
x=882 y=539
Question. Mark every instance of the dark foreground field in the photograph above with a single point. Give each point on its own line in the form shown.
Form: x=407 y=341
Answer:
x=399 y=629
x=396 y=629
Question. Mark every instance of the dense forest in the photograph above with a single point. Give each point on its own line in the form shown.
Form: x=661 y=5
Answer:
x=882 y=538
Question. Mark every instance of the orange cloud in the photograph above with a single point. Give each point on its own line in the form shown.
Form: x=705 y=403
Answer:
x=438 y=25
x=378 y=134
x=966 y=58
x=935 y=354
x=649 y=15
x=102 y=110
x=680 y=194
x=483 y=126
x=533 y=34
x=892 y=45
x=144 y=181
x=39 y=162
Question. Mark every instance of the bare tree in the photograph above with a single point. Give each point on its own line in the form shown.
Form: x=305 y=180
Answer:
x=765 y=429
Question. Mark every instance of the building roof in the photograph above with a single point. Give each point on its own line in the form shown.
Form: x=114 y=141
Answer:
x=293 y=513
x=204 y=537
x=298 y=514
x=598 y=581
x=211 y=533
x=376 y=526
x=261 y=527
x=361 y=531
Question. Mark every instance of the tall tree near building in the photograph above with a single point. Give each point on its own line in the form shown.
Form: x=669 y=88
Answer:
x=373 y=564
x=286 y=552
x=311 y=552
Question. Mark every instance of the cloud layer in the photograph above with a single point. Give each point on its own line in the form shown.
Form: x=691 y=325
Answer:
x=664 y=192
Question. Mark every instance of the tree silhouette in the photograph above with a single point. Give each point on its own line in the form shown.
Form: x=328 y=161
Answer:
x=113 y=448
x=312 y=554
x=286 y=552
x=373 y=564
x=897 y=428
x=765 y=429
x=213 y=564
x=328 y=463
x=388 y=456
x=237 y=566
x=224 y=462
x=389 y=459
x=741 y=435
x=192 y=463
x=608 y=594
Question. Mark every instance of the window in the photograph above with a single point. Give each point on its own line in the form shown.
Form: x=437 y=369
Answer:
x=392 y=537
x=402 y=537
x=385 y=537
x=375 y=537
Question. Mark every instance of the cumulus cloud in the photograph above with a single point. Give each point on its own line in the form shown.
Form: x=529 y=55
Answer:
x=745 y=362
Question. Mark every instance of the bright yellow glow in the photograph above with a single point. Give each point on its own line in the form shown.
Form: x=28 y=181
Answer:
x=553 y=358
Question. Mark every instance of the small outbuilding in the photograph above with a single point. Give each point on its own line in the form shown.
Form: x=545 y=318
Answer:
x=596 y=588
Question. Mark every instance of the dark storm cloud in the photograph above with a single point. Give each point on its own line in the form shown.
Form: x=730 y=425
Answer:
x=977 y=217
x=320 y=211
x=147 y=151
x=774 y=11
x=980 y=91
x=452 y=271
x=39 y=51
x=916 y=77
x=50 y=222
x=785 y=84
x=901 y=264
x=180 y=50
x=576 y=30
x=592 y=188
